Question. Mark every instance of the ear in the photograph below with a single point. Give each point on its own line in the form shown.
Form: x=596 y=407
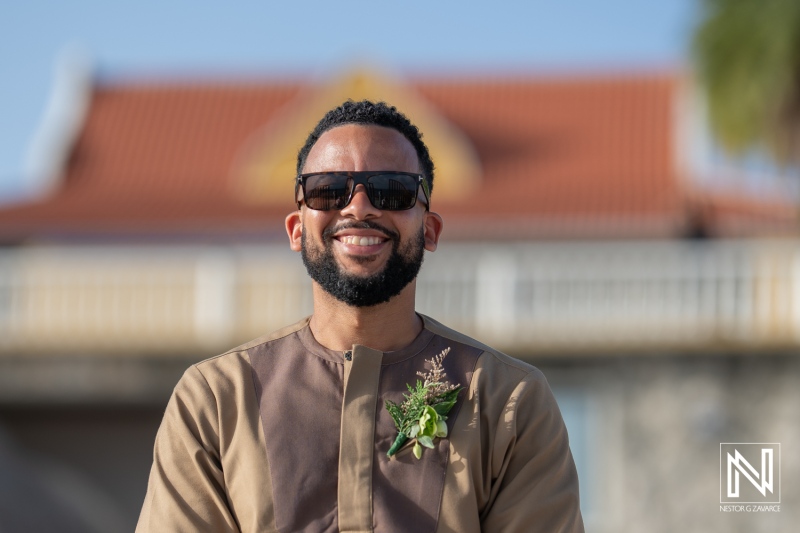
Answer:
x=294 y=228
x=433 y=229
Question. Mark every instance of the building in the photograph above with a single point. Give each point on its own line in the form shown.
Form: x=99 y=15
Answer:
x=584 y=232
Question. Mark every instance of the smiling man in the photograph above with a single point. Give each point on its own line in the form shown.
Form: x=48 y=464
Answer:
x=323 y=426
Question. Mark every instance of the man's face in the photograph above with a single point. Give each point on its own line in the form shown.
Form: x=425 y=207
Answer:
x=362 y=255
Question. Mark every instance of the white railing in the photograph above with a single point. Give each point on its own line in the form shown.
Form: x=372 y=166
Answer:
x=520 y=297
x=600 y=296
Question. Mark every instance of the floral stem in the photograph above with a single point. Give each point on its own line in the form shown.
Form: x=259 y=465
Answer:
x=397 y=444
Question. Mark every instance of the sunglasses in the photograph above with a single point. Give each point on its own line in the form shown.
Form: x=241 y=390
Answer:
x=386 y=189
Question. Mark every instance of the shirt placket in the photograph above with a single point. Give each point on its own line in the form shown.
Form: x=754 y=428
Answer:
x=362 y=369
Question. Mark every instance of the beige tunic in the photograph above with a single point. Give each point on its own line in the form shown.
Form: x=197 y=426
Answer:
x=282 y=434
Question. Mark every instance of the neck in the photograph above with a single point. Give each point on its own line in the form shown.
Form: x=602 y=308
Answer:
x=386 y=327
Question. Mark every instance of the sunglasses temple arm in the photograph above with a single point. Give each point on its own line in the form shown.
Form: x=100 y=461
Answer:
x=297 y=186
x=427 y=192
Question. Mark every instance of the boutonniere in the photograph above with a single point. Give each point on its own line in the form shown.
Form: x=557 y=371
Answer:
x=422 y=414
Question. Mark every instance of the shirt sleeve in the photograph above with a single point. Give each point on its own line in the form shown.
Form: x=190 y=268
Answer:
x=186 y=489
x=535 y=487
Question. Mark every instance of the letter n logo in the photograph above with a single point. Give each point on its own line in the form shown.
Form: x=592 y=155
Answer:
x=748 y=472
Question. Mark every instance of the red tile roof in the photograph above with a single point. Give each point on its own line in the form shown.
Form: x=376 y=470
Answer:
x=572 y=157
x=569 y=149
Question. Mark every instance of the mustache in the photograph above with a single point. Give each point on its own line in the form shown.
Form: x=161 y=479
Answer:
x=327 y=234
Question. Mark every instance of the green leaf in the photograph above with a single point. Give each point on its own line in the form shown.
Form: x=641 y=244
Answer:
x=396 y=412
x=446 y=401
x=426 y=441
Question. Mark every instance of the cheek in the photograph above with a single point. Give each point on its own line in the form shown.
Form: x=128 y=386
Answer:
x=410 y=225
x=413 y=235
x=315 y=222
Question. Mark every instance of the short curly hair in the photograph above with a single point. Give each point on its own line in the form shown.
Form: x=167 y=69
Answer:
x=370 y=114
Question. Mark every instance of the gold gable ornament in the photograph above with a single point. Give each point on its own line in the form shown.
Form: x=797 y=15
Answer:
x=264 y=170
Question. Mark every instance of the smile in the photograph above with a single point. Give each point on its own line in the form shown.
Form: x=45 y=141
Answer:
x=358 y=240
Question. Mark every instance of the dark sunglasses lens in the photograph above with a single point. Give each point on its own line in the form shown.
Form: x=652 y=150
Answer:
x=324 y=192
x=393 y=192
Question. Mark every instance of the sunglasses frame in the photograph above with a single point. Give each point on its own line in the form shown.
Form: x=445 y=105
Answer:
x=361 y=177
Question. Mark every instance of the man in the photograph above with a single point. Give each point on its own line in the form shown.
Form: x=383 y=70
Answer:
x=290 y=432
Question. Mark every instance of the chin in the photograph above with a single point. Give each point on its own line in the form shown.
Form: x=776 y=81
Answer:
x=363 y=259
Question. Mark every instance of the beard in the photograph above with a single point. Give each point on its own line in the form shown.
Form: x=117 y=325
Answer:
x=401 y=268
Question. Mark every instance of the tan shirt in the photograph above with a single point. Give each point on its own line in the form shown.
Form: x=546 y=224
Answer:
x=282 y=434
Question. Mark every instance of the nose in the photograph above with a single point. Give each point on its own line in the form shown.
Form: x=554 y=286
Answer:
x=360 y=208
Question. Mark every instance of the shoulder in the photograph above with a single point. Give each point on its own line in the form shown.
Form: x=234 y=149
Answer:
x=236 y=356
x=491 y=361
x=232 y=369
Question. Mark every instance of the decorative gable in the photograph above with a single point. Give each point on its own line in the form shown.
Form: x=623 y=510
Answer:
x=265 y=166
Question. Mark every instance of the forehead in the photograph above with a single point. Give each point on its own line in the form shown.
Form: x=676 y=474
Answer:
x=360 y=147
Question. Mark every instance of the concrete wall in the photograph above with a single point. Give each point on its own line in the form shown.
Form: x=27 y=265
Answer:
x=652 y=428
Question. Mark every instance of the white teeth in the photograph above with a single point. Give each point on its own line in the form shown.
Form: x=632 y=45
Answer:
x=360 y=241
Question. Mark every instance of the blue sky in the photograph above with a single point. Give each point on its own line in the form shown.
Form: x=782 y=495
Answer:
x=183 y=38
